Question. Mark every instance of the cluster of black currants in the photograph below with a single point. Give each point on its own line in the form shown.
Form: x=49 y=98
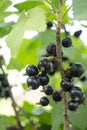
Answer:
x=4 y=91
x=39 y=75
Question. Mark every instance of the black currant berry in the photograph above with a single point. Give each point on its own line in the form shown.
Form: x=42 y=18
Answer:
x=45 y=65
x=72 y=105
x=57 y=96
x=51 y=49
x=67 y=42
x=2 y=77
x=4 y=83
x=31 y=70
x=66 y=84
x=44 y=79
x=44 y=101
x=82 y=100
x=6 y=93
x=48 y=90
x=83 y=78
x=77 y=33
x=68 y=74
x=76 y=93
x=54 y=68
x=49 y=25
x=76 y=69
x=33 y=82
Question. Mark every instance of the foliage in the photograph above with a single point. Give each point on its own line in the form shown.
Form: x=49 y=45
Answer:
x=34 y=15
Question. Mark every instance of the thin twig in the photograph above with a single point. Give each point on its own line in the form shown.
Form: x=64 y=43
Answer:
x=60 y=67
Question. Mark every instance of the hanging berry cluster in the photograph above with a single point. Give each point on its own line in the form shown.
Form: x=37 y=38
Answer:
x=4 y=91
x=39 y=76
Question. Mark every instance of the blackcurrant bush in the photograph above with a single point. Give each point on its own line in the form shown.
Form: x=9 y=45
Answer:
x=45 y=65
x=57 y=96
x=48 y=90
x=4 y=83
x=76 y=93
x=51 y=49
x=33 y=82
x=31 y=70
x=72 y=105
x=44 y=101
x=49 y=25
x=67 y=42
x=76 y=69
x=77 y=33
x=44 y=79
x=66 y=84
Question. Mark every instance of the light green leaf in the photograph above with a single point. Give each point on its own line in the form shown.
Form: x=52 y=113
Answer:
x=80 y=9
x=57 y=116
x=26 y=5
x=14 y=39
x=36 y=19
x=5 y=122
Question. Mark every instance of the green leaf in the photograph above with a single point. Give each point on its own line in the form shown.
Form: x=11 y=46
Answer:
x=5 y=122
x=57 y=116
x=26 y=5
x=80 y=9
x=4 y=4
x=14 y=38
x=36 y=19
x=79 y=120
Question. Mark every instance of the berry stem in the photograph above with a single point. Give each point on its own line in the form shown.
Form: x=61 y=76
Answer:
x=60 y=66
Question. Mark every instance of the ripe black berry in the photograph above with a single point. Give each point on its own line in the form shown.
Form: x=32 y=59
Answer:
x=48 y=90
x=76 y=69
x=76 y=93
x=72 y=105
x=66 y=84
x=66 y=42
x=6 y=93
x=44 y=79
x=49 y=25
x=77 y=33
x=68 y=74
x=54 y=68
x=45 y=65
x=33 y=82
x=82 y=100
x=44 y=101
x=2 y=77
x=51 y=49
x=4 y=83
x=57 y=96
x=83 y=78
x=31 y=70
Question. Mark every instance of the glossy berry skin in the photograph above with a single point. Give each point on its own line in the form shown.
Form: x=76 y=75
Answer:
x=31 y=70
x=51 y=49
x=54 y=68
x=45 y=65
x=66 y=42
x=72 y=105
x=33 y=82
x=48 y=90
x=44 y=101
x=76 y=69
x=66 y=84
x=4 y=83
x=49 y=25
x=57 y=96
x=44 y=79
x=76 y=93
x=77 y=33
